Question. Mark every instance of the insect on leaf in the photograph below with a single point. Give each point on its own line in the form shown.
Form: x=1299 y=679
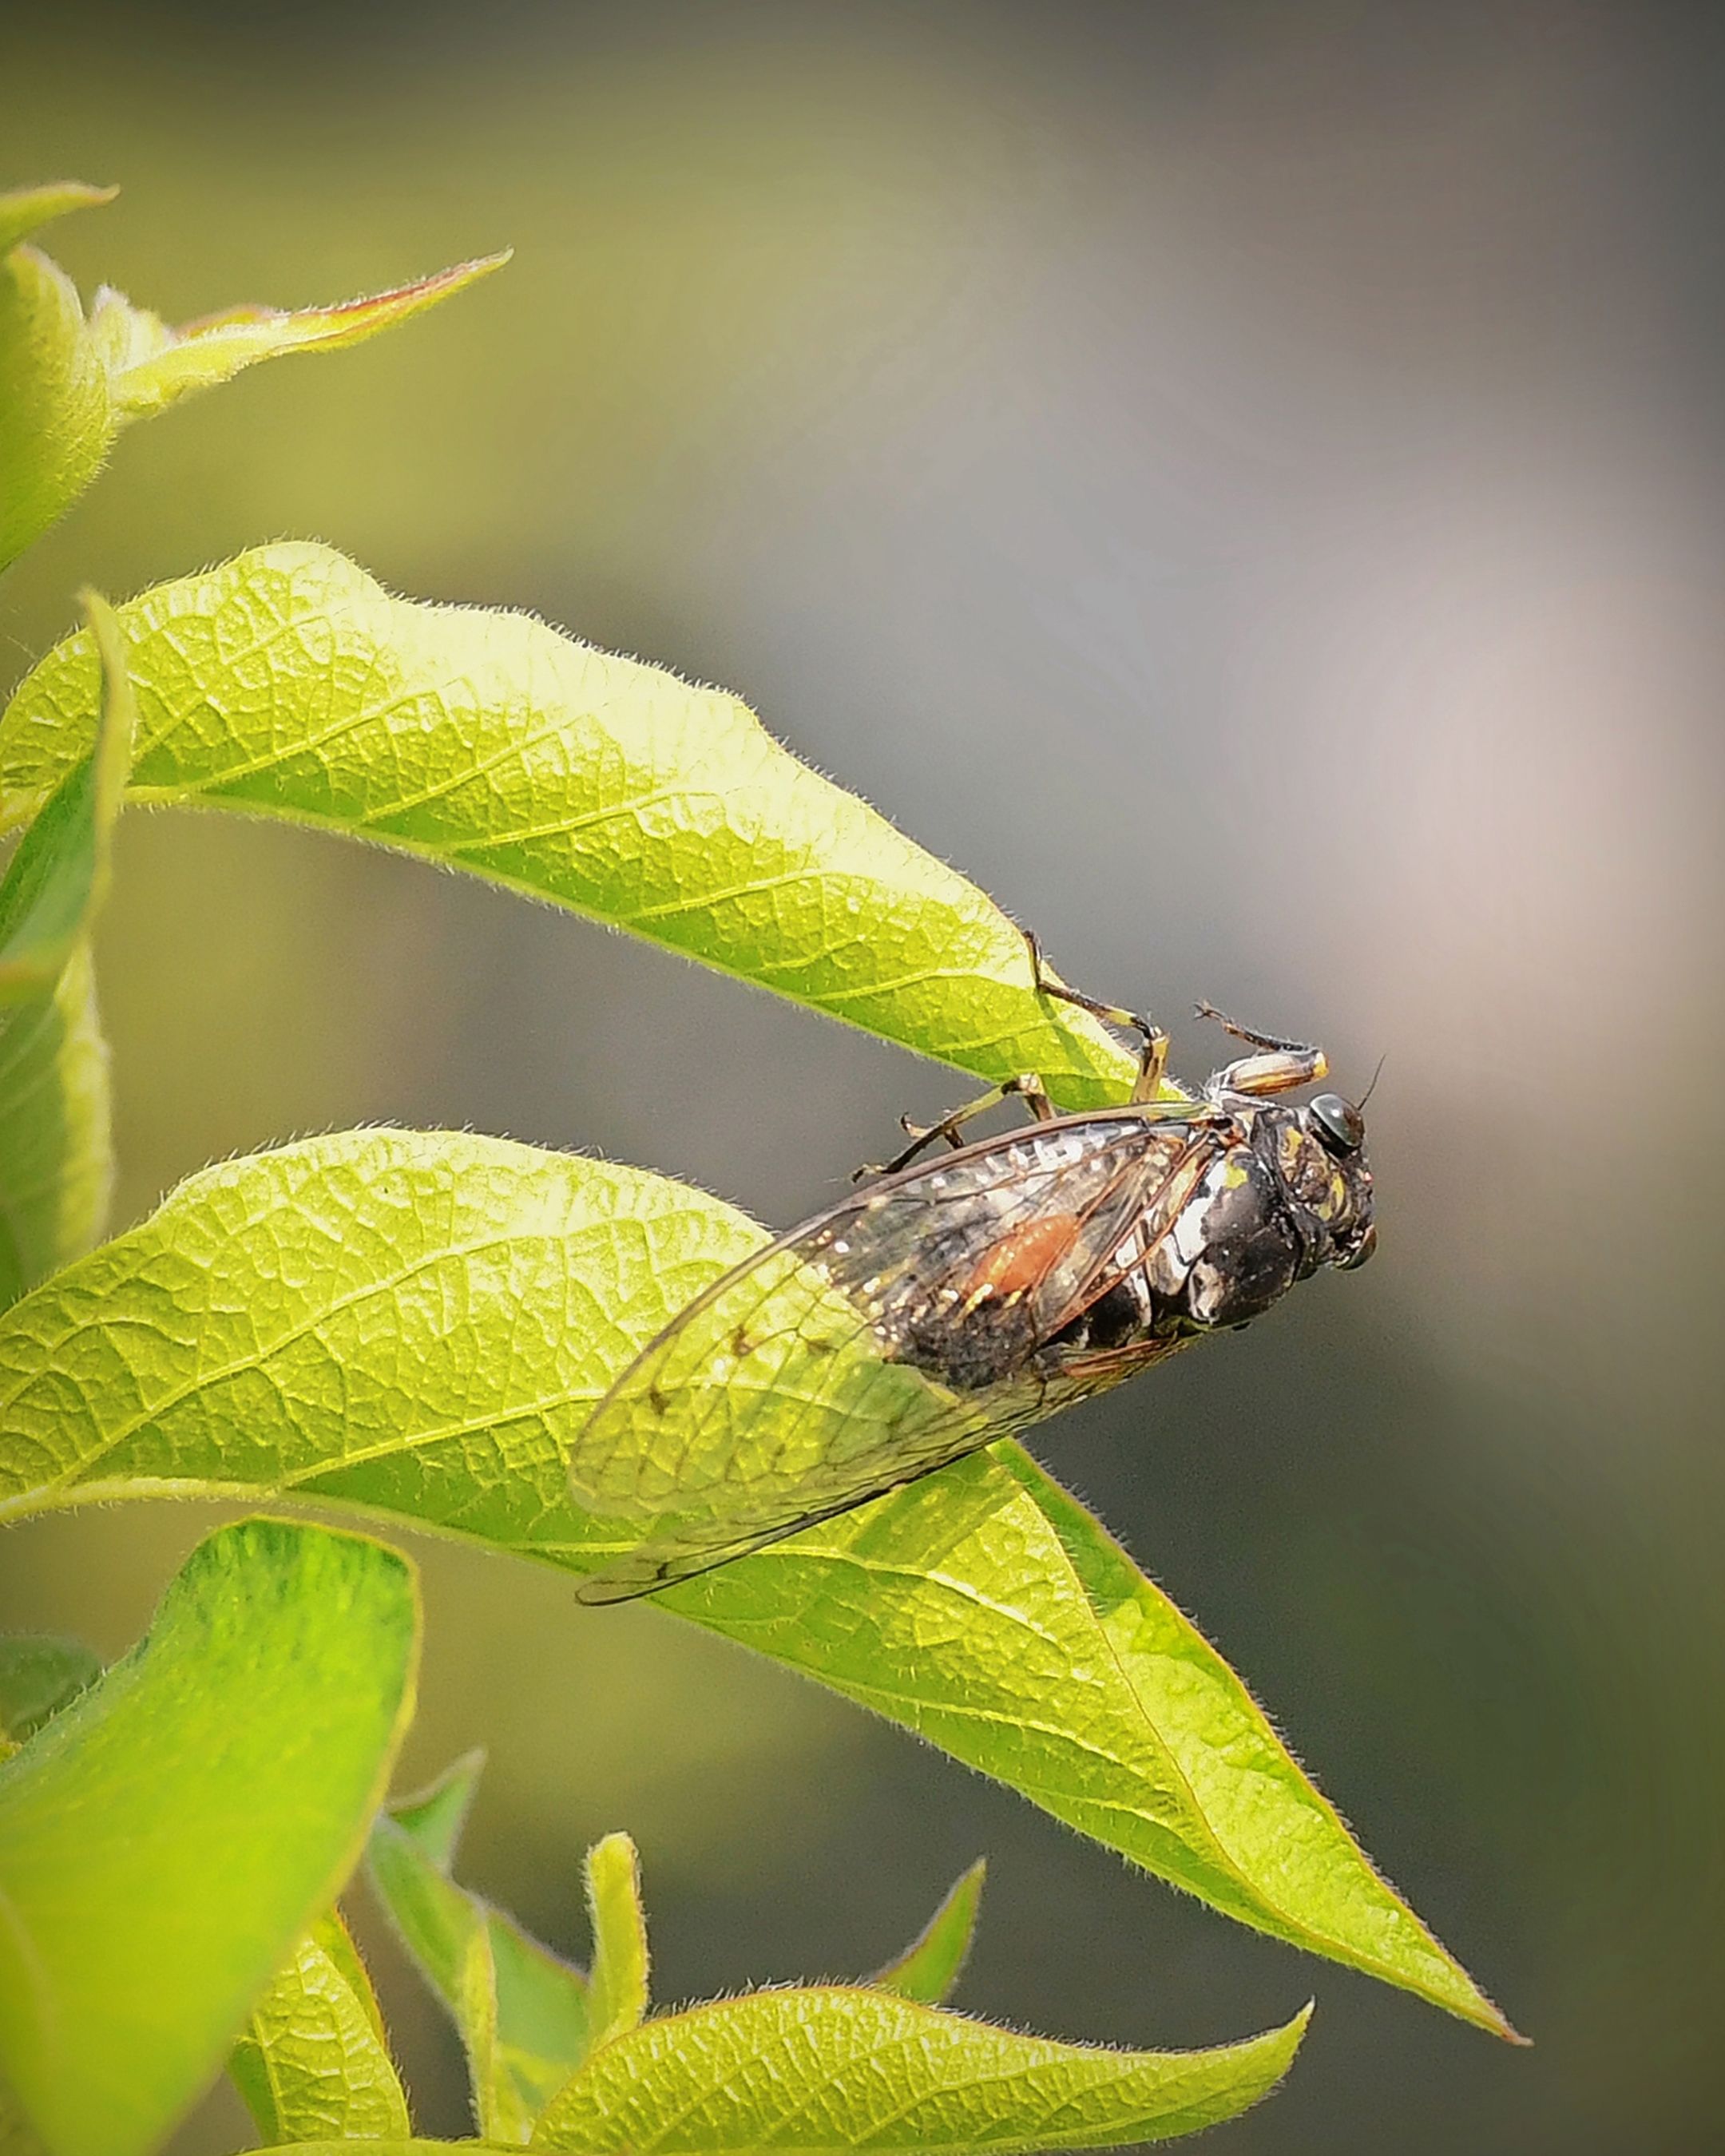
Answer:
x=855 y=1355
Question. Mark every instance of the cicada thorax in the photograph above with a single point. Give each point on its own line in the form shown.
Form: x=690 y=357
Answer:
x=1065 y=1293
x=1271 y=1210
x=1226 y=1216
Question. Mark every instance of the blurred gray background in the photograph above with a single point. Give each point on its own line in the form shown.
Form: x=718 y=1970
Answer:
x=1243 y=482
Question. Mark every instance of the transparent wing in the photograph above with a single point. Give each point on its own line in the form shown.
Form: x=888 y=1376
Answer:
x=823 y=1372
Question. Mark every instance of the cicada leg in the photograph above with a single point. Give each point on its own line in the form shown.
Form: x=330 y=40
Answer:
x=1026 y=1086
x=1287 y=1063
x=1153 y=1057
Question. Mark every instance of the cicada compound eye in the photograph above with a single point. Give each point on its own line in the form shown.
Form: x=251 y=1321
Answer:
x=1340 y=1126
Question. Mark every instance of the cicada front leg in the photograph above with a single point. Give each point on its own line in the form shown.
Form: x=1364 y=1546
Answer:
x=1284 y=1066
x=1153 y=1057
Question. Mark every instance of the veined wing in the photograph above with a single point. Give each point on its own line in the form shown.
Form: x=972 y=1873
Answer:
x=856 y=1354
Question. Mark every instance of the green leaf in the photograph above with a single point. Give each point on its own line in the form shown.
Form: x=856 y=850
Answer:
x=522 y=2013
x=494 y=2111
x=541 y=2022
x=24 y=211
x=412 y=1321
x=165 y=1840
x=59 y=876
x=18 y=2137
x=56 y=1157
x=312 y=2063
x=38 y=1677
x=417 y=1324
x=617 y=1982
x=1165 y=1757
x=151 y=365
x=930 y=1967
x=55 y=427
x=56 y=1144
x=331 y=1935
x=68 y=386
x=288 y=684
x=436 y=1816
x=837 y=2069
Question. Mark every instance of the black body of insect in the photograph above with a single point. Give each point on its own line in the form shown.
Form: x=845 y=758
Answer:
x=953 y=1301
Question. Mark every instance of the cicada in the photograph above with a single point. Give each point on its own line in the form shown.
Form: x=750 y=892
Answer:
x=956 y=1300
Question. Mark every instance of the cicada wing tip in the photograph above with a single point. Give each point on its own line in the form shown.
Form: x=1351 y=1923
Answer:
x=601 y=1587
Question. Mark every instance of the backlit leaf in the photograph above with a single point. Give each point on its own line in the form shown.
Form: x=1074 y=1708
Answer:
x=931 y=1965
x=417 y=1324
x=56 y=1160
x=617 y=1982
x=68 y=385
x=312 y=2063
x=165 y=1838
x=836 y=2069
x=288 y=684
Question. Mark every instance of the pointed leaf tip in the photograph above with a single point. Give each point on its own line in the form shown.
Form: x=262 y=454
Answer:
x=436 y=1815
x=931 y=1966
x=26 y=210
x=152 y=366
x=828 y=2069
x=520 y=2011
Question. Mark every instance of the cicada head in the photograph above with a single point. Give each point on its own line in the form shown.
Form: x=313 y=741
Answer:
x=1287 y=1192
x=1319 y=1155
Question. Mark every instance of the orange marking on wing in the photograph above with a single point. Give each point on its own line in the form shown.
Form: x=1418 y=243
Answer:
x=1019 y=1260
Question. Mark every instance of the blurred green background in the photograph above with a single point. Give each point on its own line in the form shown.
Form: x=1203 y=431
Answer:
x=1243 y=482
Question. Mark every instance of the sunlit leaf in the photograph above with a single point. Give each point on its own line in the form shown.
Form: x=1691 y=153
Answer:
x=617 y=1982
x=23 y=211
x=930 y=1967
x=56 y=1145
x=56 y=1159
x=55 y=427
x=417 y=1324
x=59 y=876
x=312 y=2063
x=151 y=365
x=166 y=1838
x=288 y=684
x=494 y=2111
x=68 y=386
x=838 y=2069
